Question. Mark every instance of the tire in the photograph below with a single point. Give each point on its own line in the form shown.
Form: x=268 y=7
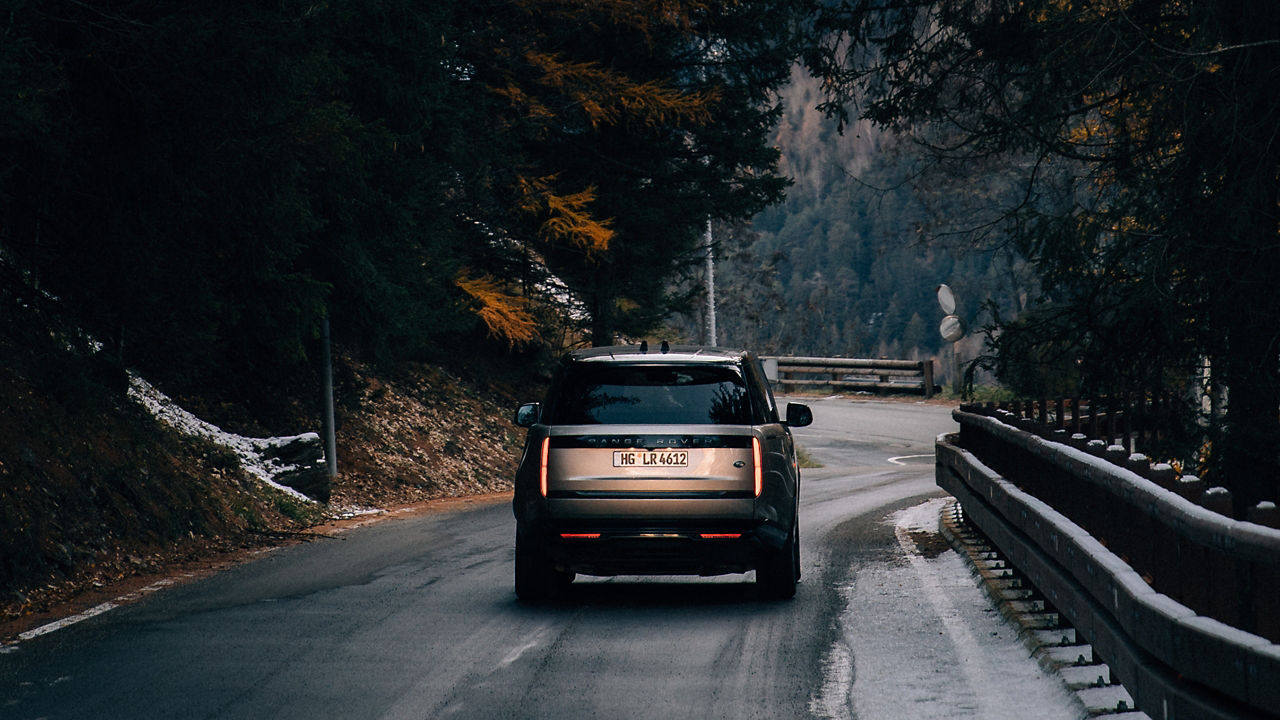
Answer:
x=537 y=580
x=795 y=548
x=778 y=571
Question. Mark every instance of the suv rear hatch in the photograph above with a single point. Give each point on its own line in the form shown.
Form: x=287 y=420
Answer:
x=637 y=440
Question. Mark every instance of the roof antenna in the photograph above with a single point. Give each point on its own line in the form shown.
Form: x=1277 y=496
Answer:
x=644 y=346
x=666 y=347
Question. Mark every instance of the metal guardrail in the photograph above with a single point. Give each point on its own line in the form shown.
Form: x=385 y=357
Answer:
x=888 y=376
x=1176 y=662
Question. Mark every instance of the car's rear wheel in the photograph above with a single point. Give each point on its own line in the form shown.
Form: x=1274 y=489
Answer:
x=778 y=570
x=537 y=579
x=795 y=549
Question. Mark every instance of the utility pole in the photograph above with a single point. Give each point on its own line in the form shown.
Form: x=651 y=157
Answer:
x=330 y=436
x=711 y=288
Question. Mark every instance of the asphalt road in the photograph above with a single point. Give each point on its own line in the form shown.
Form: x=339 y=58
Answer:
x=415 y=617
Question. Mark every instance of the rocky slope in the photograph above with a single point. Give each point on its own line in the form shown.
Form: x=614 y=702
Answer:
x=96 y=494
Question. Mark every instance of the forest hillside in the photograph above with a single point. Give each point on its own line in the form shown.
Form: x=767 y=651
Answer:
x=849 y=263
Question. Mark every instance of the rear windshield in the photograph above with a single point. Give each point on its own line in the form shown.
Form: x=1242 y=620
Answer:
x=651 y=394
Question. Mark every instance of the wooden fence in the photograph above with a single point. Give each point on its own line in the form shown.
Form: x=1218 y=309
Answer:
x=1136 y=421
x=1131 y=431
x=881 y=376
x=1181 y=602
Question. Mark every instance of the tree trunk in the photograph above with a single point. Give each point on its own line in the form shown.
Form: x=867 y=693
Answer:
x=1251 y=313
x=602 y=310
x=1251 y=444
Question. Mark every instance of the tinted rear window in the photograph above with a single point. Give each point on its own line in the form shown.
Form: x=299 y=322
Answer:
x=651 y=394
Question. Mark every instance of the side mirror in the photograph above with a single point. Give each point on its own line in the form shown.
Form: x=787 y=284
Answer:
x=799 y=415
x=527 y=415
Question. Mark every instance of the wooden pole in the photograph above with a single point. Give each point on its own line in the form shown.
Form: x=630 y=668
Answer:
x=330 y=434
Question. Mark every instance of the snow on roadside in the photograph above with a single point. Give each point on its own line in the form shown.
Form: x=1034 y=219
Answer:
x=254 y=453
x=925 y=517
x=919 y=640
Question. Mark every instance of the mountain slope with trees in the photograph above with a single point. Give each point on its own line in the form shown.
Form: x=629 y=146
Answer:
x=848 y=264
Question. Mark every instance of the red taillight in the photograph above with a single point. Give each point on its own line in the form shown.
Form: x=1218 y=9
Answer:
x=755 y=459
x=720 y=536
x=542 y=471
x=580 y=536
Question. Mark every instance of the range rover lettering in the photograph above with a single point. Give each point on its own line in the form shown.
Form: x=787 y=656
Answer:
x=668 y=462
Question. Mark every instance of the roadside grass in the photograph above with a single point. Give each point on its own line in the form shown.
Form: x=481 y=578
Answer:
x=979 y=394
x=298 y=511
x=805 y=459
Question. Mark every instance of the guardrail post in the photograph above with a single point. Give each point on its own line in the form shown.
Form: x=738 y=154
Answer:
x=1140 y=464
x=1264 y=513
x=1163 y=474
x=1190 y=487
x=1217 y=499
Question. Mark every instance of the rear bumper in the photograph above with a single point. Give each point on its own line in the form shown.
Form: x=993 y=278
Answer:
x=641 y=510
x=674 y=547
x=671 y=531
x=654 y=553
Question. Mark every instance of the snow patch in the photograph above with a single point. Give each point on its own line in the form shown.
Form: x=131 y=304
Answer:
x=256 y=454
x=347 y=512
x=920 y=641
x=926 y=517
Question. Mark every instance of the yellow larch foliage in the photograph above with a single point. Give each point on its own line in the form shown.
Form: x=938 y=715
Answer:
x=608 y=98
x=530 y=106
x=571 y=219
x=567 y=217
x=506 y=315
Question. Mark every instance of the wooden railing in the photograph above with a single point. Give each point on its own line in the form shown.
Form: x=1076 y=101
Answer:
x=871 y=375
x=1181 y=602
x=1131 y=431
x=1136 y=421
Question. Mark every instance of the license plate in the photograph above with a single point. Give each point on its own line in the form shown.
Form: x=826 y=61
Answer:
x=651 y=458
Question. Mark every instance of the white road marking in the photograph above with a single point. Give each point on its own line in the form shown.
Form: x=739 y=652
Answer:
x=898 y=460
x=67 y=621
x=91 y=612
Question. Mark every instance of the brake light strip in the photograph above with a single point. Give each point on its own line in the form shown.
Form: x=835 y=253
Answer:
x=756 y=460
x=542 y=470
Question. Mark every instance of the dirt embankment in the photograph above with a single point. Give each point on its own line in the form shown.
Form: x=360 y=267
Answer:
x=97 y=497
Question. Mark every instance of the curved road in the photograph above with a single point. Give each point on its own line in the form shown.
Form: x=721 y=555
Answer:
x=415 y=618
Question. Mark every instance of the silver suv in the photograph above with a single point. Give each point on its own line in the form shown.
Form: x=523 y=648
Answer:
x=666 y=462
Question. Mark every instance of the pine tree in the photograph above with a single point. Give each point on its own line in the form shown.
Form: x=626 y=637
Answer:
x=1148 y=131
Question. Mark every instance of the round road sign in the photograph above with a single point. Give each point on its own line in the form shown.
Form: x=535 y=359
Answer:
x=947 y=300
x=952 y=328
